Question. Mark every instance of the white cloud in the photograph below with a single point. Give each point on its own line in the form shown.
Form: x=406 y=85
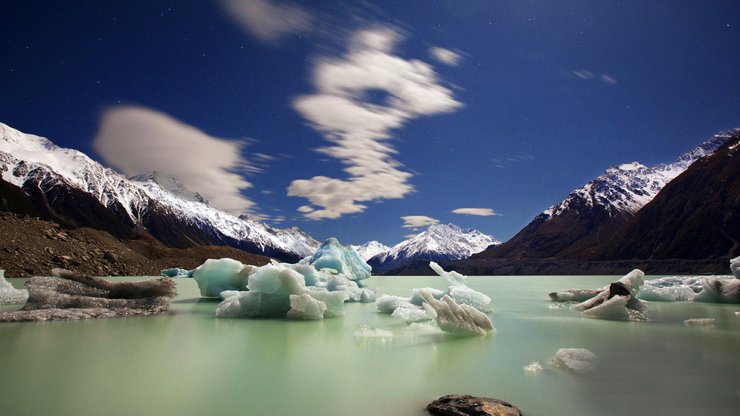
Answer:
x=608 y=79
x=418 y=221
x=268 y=20
x=410 y=236
x=445 y=56
x=583 y=74
x=137 y=140
x=358 y=130
x=481 y=212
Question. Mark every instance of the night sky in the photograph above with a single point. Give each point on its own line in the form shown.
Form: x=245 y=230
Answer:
x=343 y=117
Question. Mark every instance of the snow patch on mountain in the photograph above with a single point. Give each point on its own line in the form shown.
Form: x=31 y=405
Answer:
x=171 y=184
x=371 y=249
x=628 y=187
x=26 y=157
x=438 y=242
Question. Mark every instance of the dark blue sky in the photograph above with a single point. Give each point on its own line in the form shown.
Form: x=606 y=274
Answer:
x=542 y=96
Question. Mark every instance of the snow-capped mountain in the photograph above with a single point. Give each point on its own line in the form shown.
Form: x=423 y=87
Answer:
x=171 y=184
x=438 y=243
x=371 y=249
x=590 y=215
x=628 y=187
x=35 y=164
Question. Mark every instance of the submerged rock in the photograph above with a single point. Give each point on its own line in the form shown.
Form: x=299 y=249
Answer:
x=67 y=295
x=465 y=405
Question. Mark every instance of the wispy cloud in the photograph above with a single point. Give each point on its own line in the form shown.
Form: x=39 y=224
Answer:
x=508 y=160
x=446 y=56
x=410 y=236
x=137 y=140
x=359 y=129
x=608 y=79
x=586 y=74
x=415 y=222
x=268 y=20
x=481 y=212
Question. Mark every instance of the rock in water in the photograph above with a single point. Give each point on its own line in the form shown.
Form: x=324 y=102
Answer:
x=70 y=296
x=10 y=295
x=465 y=405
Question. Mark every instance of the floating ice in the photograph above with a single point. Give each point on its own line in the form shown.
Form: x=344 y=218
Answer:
x=719 y=290
x=364 y=331
x=10 y=295
x=416 y=297
x=533 y=367
x=176 y=272
x=579 y=360
x=735 y=267
x=342 y=259
x=673 y=288
x=254 y=305
x=305 y=307
x=410 y=313
x=699 y=322
x=334 y=302
x=618 y=301
x=574 y=295
x=454 y=318
x=389 y=303
x=453 y=278
x=215 y=276
x=464 y=295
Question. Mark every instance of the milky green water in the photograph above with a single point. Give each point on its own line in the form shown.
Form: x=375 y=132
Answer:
x=189 y=363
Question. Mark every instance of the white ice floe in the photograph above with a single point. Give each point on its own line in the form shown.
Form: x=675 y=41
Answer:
x=578 y=360
x=305 y=307
x=719 y=290
x=10 y=295
x=364 y=331
x=389 y=303
x=618 y=301
x=454 y=318
x=699 y=322
x=410 y=313
x=533 y=367
x=574 y=295
x=735 y=267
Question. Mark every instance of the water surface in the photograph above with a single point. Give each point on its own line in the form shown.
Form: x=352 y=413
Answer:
x=189 y=363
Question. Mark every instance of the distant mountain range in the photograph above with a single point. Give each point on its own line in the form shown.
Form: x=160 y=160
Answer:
x=687 y=210
x=67 y=186
x=438 y=242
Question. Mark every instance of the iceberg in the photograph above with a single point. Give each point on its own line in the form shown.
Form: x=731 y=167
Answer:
x=10 y=295
x=410 y=313
x=619 y=301
x=454 y=318
x=341 y=259
x=719 y=290
x=176 y=272
x=533 y=367
x=578 y=360
x=334 y=301
x=453 y=278
x=670 y=289
x=735 y=267
x=574 y=295
x=699 y=322
x=416 y=297
x=389 y=303
x=217 y=275
x=306 y=307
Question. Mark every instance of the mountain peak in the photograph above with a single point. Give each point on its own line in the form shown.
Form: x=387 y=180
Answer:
x=170 y=183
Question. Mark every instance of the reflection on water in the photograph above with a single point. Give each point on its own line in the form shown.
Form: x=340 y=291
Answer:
x=189 y=362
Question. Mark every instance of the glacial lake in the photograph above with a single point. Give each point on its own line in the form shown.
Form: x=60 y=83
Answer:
x=189 y=363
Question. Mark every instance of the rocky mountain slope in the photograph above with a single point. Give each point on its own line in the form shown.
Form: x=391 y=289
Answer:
x=589 y=216
x=438 y=242
x=68 y=186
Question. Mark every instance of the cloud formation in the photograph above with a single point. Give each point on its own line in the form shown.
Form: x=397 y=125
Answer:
x=358 y=129
x=137 y=140
x=586 y=74
x=445 y=56
x=268 y=20
x=415 y=222
x=480 y=212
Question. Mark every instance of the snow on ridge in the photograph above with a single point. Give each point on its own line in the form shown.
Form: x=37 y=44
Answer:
x=441 y=240
x=628 y=187
x=23 y=155
x=371 y=249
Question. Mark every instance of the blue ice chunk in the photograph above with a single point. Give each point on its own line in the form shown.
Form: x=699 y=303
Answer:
x=343 y=259
x=176 y=272
x=215 y=276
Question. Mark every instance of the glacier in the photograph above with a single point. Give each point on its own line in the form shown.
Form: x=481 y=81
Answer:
x=454 y=318
x=10 y=295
